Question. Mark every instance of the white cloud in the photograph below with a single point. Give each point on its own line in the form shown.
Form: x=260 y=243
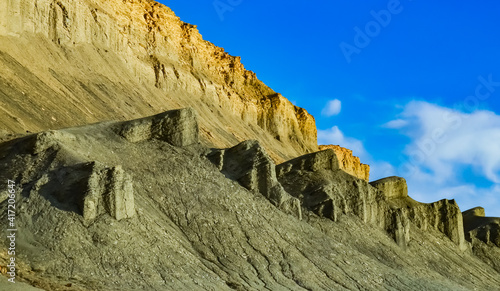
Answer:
x=443 y=139
x=332 y=108
x=444 y=143
x=336 y=137
x=396 y=123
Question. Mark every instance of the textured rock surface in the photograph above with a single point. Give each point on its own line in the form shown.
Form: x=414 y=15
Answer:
x=250 y=165
x=178 y=127
x=392 y=187
x=110 y=190
x=474 y=212
x=189 y=224
x=484 y=235
x=478 y=226
x=348 y=162
x=196 y=228
x=322 y=160
x=90 y=189
x=67 y=63
x=323 y=187
x=443 y=215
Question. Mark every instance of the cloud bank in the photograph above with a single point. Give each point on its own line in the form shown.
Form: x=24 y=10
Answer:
x=449 y=152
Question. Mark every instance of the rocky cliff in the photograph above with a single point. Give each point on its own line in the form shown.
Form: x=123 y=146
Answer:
x=67 y=63
x=349 y=163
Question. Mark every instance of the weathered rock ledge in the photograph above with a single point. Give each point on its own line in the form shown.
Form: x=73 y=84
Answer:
x=349 y=163
x=478 y=226
x=323 y=187
x=250 y=165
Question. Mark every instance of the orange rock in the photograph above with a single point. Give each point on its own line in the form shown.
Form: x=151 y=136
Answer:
x=348 y=162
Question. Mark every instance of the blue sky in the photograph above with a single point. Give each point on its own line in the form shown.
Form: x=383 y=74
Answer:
x=412 y=87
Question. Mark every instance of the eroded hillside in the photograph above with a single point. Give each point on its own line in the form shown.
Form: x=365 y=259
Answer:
x=67 y=63
x=143 y=205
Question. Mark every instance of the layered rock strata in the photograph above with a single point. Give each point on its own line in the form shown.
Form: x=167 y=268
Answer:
x=349 y=163
x=101 y=60
x=178 y=127
x=392 y=187
x=478 y=226
x=88 y=188
x=108 y=189
x=323 y=187
x=314 y=181
x=88 y=196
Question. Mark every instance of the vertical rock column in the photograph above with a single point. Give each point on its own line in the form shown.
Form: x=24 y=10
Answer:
x=108 y=190
x=443 y=215
x=119 y=194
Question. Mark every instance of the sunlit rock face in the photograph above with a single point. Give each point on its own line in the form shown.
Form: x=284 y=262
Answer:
x=103 y=60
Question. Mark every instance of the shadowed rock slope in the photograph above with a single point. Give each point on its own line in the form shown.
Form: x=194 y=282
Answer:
x=67 y=63
x=143 y=205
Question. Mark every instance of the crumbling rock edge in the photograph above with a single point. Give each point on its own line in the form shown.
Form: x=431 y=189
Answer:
x=250 y=165
x=479 y=227
x=348 y=162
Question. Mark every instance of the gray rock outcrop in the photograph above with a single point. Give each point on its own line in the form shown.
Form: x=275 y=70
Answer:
x=318 y=182
x=110 y=190
x=321 y=186
x=478 y=226
x=392 y=187
x=206 y=231
x=178 y=127
x=250 y=165
x=443 y=215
